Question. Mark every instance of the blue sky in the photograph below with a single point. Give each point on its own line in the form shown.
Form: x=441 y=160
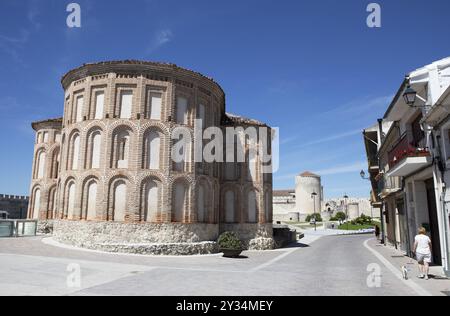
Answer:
x=312 y=68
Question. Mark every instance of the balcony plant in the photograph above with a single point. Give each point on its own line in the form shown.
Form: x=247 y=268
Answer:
x=230 y=245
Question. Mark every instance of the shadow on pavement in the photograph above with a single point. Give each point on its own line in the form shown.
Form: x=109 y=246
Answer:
x=297 y=245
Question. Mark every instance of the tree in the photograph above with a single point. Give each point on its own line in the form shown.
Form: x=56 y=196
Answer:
x=340 y=216
x=316 y=216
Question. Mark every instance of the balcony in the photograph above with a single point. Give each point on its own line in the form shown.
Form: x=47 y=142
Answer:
x=388 y=185
x=407 y=157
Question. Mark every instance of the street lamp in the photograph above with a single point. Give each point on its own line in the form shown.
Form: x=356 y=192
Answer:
x=346 y=207
x=313 y=196
x=363 y=175
x=410 y=96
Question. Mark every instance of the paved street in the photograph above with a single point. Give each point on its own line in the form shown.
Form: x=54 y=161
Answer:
x=330 y=265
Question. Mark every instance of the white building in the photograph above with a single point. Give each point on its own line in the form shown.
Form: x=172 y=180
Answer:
x=412 y=159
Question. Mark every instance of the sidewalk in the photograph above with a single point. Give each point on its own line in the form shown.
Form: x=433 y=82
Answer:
x=438 y=285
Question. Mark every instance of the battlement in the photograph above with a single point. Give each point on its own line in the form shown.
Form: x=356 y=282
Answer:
x=14 y=197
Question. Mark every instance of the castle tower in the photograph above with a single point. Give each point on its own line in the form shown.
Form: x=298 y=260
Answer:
x=308 y=183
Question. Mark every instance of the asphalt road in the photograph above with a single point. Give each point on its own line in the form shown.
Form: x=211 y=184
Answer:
x=332 y=265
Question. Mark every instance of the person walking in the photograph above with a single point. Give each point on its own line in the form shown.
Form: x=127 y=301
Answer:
x=422 y=249
x=377 y=232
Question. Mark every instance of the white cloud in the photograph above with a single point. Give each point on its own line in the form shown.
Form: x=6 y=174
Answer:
x=160 y=38
x=33 y=13
x=355 y=167
x=332 y=138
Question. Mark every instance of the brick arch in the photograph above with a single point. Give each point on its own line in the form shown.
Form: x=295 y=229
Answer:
x=53 y=166
x=143 y=198
x=248 y=189
x=143 y=149
x=189 y=187
x=117 y=124
x=33 y=205
x=67 y=203
x=51 y=201
x=70 y=148
x=112 y=184
x=37 y=162
x=87 y=180
x=189 y=165
x=88 y=146
x=158 y=125
x=236 y=189
x=207 y=202
x=95 y=125
x=113 y=144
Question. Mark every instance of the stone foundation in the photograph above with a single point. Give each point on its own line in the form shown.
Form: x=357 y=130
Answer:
x=157 y=239
x=254 y=236
x=139 y=238
x=45 y=227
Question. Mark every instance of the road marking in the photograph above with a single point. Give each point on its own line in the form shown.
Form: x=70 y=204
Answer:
x=284 y=255
x=410 y=283
x=274 y=260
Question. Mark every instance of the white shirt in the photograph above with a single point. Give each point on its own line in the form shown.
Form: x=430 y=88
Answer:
x=423 y=244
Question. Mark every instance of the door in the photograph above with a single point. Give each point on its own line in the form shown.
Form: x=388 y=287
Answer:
x=403 y=223
x=434 y=224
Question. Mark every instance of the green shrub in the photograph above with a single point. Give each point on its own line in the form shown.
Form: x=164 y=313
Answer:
x=340 y=216
x=316 y=216
x=229 y=240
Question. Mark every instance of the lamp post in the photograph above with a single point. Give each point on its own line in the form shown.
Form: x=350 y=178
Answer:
x=363 y=176
x=346 y=207
x=313 y=196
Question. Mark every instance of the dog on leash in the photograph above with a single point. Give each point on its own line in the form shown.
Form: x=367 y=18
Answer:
x=405 y=272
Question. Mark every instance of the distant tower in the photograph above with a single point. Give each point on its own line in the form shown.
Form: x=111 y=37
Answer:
x=353 y=210
x=306 y=184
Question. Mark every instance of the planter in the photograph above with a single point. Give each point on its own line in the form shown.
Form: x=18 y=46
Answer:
x=231 y=253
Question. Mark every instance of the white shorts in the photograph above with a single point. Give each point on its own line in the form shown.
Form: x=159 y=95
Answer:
x=421 y=258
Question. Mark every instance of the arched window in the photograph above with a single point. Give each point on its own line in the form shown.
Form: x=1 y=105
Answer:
x=91 y=205
x=153 y=150
x=41 y=164
x=230 y=206
x=182 y=111
x=71 y=200
x=121 y=149
x=154 y=106
x=120 y=201
x=252 y=206
x=180 y=200
x=94 y=150
x=99 y=104
x=126 y=104
x=36 y=203
x=150 y=203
